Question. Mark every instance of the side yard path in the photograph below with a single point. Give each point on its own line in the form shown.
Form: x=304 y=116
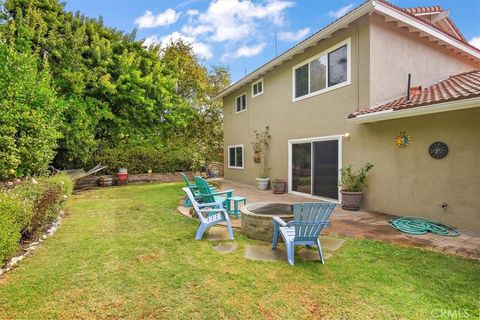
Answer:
x=125 y=253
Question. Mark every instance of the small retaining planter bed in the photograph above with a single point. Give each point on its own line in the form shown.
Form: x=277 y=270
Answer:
x=29 y=209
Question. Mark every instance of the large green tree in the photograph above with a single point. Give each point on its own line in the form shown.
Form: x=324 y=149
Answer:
x=198 y=85
x=30 y=115
x=112 y=90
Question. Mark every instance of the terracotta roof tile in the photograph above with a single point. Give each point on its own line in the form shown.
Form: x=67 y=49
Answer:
x=413 y=11
x=434 y=9
x=418 y=10
x=458 y=87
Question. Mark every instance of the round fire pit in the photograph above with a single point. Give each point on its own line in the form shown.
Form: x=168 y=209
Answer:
x=257 y=218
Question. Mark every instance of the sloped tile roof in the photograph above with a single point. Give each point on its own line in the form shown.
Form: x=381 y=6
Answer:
x=458 y=87
x=417 y=10
x=413 y=11
x=435 y=9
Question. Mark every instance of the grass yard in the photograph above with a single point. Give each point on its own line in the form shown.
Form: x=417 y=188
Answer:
x=125 y=253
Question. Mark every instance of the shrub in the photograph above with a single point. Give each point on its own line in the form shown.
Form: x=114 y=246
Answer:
x=14 y=216
x=140 y=159
x=354 y=181
x=29 y=208
x=47 y=196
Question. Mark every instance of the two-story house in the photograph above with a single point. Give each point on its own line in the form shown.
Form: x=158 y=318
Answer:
x=341 y=97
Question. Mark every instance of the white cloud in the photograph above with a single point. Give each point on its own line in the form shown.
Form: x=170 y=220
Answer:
x=234 y=20
x=245 y=52
x=192 y=12
x=148 y=20
x=341 y=12
x=293 y=36
x=197 y=30
x=475 y=41
x=201 y=49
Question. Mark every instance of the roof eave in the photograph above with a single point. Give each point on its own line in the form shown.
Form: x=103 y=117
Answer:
x=366 y=8
x=424 y=28
x=341 y=23
x=417 y=111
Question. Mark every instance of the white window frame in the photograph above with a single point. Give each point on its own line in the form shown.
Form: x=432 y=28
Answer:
x=243 y=155
x=263 y=88
x=246 y=103
x=323 y=53
x=339 y=138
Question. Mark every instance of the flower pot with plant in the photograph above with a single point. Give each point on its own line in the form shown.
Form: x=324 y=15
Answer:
x=352 y=184
x=279 y=186
x=260 y=148
x=122 y=176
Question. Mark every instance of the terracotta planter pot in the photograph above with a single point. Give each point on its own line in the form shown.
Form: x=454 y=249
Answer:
x=122 y=178
x=279 y=186
x=351 y=200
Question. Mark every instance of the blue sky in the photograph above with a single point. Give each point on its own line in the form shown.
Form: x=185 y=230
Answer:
x=241 y=34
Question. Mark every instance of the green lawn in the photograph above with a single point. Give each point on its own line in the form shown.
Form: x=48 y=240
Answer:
x=124 y=253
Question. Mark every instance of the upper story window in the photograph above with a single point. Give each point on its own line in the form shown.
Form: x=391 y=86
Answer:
x=326 y=71
x=257 y=88
x=235 y=156
x=241 y=103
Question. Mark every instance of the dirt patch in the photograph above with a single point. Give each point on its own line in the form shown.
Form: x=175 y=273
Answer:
x=148 y=258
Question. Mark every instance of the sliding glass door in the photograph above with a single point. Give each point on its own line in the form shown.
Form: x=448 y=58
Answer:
x=314 y=167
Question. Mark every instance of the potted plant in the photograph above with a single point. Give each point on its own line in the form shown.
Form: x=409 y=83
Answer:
x=279 y=186
x=260 y=149
x=352 y=184
x=122 y=176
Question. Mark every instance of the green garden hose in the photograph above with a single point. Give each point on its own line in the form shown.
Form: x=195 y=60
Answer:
x=414 y=225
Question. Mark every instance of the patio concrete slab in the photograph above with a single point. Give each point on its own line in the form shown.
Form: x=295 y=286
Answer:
x=226 y=248
x=363 y=224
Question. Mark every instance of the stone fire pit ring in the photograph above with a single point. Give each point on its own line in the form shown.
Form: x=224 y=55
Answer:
x=257 y=218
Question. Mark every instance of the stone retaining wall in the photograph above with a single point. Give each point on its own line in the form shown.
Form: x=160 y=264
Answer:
x=90 y=182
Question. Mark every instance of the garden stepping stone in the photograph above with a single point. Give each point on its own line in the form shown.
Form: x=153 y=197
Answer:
x=217 y=234
x=265 y=253
x=226 y=248
x=331 y=243
x=262 y=253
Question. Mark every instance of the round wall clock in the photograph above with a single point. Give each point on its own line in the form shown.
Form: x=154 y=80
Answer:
x=438 y=150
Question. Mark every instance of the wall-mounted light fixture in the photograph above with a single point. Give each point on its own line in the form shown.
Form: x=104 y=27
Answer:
x=346 y=135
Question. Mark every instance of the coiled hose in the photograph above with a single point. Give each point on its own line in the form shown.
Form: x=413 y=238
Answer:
x=414 y=225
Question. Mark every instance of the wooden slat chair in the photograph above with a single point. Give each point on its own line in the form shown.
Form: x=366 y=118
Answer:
x=208 y=196
x=309 y=220
x=215 y=215
x=192 y=188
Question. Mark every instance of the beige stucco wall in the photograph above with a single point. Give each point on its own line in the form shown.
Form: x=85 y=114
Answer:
x=403 y=182
x=396 y=52
x=320 y=115
x=410 y=182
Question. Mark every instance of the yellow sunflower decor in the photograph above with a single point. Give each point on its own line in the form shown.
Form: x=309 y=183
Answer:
x=402 y=140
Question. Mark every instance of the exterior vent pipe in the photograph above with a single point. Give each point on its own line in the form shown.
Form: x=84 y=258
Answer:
x=408 y=86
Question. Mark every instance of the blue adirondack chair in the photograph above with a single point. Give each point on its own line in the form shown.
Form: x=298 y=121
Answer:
x=192 y=188
x=309 y=220
x=209 y=196
x=215 y=215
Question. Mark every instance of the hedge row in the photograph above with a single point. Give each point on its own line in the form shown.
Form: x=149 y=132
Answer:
x=141 y=159
x=28 y=209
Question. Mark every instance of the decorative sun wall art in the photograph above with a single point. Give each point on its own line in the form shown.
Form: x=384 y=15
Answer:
x=403 y=139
